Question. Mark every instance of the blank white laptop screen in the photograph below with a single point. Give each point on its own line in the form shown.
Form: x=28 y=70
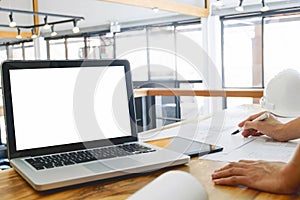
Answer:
x=56 y=106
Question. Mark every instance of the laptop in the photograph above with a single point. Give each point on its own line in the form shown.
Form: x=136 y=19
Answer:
x=72 y=122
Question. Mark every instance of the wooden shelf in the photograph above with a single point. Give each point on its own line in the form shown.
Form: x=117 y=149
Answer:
x=252 y=93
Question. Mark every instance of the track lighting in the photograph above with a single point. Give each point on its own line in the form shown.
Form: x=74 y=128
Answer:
x=53 y=33
x=12 y=23
x=33 y=35
x=35 y=26
x=19 y=36
x=46 y=26
x=240 y=7
x=75 y=28
x=155 y=9
x=264 y=7
x=218 y=3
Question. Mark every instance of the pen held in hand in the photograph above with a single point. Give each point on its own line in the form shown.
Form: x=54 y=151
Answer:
x=260 y=118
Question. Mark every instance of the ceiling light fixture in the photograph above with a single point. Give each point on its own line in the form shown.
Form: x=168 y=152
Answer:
x=155 y=9
x=240 y=7
x=33 y=35
x=12 y=23
x=218 y=3
x=264 y=7
x=46 y=26
x=19 y=36
x=115 y=27
x=75 y=28
x=53 y=33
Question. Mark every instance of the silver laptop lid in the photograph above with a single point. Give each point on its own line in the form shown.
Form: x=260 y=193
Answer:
x=57 y=106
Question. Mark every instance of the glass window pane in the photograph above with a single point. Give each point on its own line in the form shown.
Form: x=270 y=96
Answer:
x=193 y=31
x=29 y=51
x=75 y=48
x=132 y=45
x=281 y=44
x=3 y=57
x=3 y=54
x=242 y=53
x=57 y=49
x=17 y=52
x=162 y=53
x=187 y=33
x=106 y=47
x=93 y=47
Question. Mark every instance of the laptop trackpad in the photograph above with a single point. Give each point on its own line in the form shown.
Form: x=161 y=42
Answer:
x=112 y=165
x=121 y=163
x=97 y=167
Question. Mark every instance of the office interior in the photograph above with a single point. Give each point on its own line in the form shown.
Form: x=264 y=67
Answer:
x=243 y=44
x=245 y=47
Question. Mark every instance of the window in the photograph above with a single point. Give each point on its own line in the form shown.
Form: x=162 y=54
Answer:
x=106 y=47
x=258 y=47
x=3 y=53
x=193 y=33
x=189 y=106
x=29 y=51
x=17 y=52
x=57 y=49
x=242 y=56
x=132 y=45
x=281 y=44
x=75 y=48
x=162 y=53
x=242 y=63
x=93 y=47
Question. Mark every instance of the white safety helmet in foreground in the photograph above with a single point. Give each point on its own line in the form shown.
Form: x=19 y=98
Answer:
x=282 y=94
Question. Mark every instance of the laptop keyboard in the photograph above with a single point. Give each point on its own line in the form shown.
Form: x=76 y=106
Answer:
x=76 y=157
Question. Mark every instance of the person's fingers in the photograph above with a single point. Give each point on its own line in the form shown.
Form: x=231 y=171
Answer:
x=236 y=171
x=247 y=161
x=249 y=132
x=250 y=118
x=233 y=180
x=257 y=134
x=225 y=167
x=250 y=125
x=232 y=165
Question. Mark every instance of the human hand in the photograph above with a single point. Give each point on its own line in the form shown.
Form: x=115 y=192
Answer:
x=261 y=175
x=270 y=127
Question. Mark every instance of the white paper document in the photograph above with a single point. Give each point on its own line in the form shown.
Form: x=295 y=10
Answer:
x=261 y=148
x=215 y=129
x=175 y=185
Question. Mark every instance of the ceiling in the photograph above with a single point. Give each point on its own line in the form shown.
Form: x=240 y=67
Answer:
x=98 y=13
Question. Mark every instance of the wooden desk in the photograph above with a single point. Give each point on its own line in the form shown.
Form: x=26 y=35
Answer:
x=12 y=186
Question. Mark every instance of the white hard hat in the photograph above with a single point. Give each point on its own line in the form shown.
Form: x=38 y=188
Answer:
x=282 y=94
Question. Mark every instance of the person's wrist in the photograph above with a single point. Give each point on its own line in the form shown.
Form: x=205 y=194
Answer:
x=281 y=133
x=290 y=178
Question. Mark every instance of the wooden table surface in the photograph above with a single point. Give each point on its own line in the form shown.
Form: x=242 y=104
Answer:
x=12 y=186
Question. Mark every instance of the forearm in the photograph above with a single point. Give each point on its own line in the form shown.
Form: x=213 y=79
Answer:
x=291 y=171
x=290 y=130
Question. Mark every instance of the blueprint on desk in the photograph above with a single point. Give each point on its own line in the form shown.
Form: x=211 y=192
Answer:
x=260 y=148
x=214 y=129
x=217 y=128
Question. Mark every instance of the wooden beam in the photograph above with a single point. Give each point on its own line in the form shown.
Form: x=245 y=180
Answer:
x=167 y=5
x=12 y=34
x=35 y=8
x=252 y=93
